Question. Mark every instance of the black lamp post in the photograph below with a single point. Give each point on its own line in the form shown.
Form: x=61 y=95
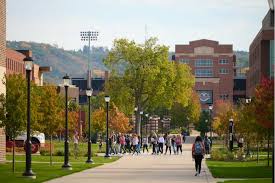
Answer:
x=66 y=165
x=147 y=120
x=141 y=117
x=89 y=93
x=107 y=100
x=28 y=172
x=210 y=120
x=231 y=126
x=206 y=121
x=136 y=120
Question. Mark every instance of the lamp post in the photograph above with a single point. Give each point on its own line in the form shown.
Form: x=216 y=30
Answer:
x=89 y=93
x=147 y=120
x=107 y=100
x=206 y=121
x=28 y=61
x=188 y=126
x=66 y=165
x=210 y=120
x=141 y=117
x=231 y=126
x=89 y=36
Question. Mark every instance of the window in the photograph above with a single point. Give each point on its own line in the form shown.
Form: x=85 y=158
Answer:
x=204 y=73
x=204 y=63
x=184 y=61
x=224 y=71
x=224 y=97
x=223 y=61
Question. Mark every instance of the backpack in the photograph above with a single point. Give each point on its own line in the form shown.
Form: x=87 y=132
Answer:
x=198 y=148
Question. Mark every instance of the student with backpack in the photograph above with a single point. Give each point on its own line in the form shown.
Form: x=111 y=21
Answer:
x=198 y=151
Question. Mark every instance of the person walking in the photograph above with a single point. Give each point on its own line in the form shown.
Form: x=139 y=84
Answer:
x=198 y=151
x=135 y=144
x=168 y=143
x=145 y=144
x=122 y=143
x=161 y=143
x=207 y=145
x=128 y=143
x=173 y=143
x=76 y=139
x=179 y=144
x=154 y=141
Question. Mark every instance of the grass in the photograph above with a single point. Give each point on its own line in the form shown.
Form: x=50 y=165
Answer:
x=251 y=169
x=43 y=171
x=250 y=181
x=42 y=168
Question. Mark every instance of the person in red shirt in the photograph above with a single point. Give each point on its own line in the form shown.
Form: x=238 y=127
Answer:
x=198 y=151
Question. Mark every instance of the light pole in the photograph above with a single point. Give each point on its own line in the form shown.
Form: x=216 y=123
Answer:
x=147 y=120
x=210 y=120
x=28 y=61
x=66 y=165
x=231 y=127
x=206 y=121
x=188 y=125
x=89 y=36
x=89 y=93
x=107 y=100
x=136 y=119
x=141 y=117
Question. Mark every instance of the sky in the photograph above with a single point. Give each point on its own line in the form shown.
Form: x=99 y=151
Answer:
x=172 y=21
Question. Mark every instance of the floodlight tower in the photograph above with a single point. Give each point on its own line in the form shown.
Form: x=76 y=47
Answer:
x=89 y=36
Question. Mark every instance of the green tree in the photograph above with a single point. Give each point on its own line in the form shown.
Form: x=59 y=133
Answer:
x=204 y=123
x=147 y=79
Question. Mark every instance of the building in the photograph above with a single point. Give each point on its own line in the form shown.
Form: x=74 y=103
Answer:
x=2 y=71
x=239 y=89
x=15 y=65
x=213 y=66
x=261 y=54
x=97 y=84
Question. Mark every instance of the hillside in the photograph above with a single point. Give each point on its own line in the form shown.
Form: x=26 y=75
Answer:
x=74 y=62
x=62 y=61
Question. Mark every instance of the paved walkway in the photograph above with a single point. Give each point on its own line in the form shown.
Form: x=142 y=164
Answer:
x=145 y=168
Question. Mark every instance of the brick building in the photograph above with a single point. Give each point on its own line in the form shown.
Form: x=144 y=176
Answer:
x=2 y=71
x=261 y=54
x=213 y=66
x=15 y=65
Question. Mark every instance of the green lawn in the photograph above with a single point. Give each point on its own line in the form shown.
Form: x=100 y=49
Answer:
x=251 y=169
x=43 y=170
x=250 y=181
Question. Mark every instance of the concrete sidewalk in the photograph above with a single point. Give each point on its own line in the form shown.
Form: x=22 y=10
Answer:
x=145 y=168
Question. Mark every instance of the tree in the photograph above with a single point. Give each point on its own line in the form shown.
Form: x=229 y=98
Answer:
x=142 y=76
x=50 y=109
x=13 y=112
x=203 y=124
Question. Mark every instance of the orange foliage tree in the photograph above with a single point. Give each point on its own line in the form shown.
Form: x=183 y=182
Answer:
x=118 y=121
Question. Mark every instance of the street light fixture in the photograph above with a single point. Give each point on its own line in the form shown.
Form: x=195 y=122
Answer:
x=107 y=100
x=89 y=93
x=28 y=61
x=231 y=127
x=248 y=100
x=141 y=119
x=66 y=165
x=210 y=120
x=89 y=36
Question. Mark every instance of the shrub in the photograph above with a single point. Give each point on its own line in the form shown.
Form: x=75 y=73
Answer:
x=60 y=153
x=44 y=152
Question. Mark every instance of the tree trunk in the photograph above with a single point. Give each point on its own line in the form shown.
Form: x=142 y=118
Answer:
x=268 y=148
x=257 y=151
x=13 y=155
x=51 y=154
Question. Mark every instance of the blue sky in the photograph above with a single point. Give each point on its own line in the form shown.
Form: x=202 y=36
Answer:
x=172 y=21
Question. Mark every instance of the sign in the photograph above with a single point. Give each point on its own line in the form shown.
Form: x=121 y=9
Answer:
x=206 y=96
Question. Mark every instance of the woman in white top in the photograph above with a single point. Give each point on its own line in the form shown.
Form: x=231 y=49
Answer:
x=161 y=142
x=135 y=143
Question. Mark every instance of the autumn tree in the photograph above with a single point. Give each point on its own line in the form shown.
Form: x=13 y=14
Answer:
x=142 y=76
x=50 y=109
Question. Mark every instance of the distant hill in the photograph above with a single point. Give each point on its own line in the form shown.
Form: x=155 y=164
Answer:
x=75 y=63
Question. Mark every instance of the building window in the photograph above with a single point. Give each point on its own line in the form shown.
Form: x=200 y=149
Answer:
x=224 y=97
x=224 y=71
x=204 y=63
x=204 y=73
x=223 y=61
x=184 y=61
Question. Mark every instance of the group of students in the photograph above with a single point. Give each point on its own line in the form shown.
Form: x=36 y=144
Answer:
x=132 y=143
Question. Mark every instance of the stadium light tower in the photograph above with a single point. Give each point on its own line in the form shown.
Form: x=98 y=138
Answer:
x=89 y=36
